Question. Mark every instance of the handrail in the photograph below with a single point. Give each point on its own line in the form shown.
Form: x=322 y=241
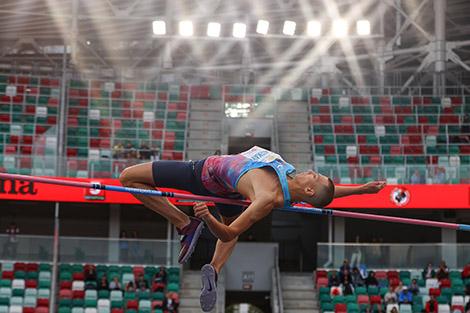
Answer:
x=277 y=272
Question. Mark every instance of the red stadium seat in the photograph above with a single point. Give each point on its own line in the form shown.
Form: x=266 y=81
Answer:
x=322 y=282
x=435 y=292
x=341 y=308
x=65 y=294
x=363 y=299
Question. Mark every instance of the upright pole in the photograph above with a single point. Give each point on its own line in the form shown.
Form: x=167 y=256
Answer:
x=55 y=258
x=440 y=48
x=381 y=50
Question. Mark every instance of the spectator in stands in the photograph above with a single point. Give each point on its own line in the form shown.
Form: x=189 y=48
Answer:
x=131 y=151
x=90 y=273
x=123 y=246
x=431 y=305
x=371 y=280
x=399 y=288
x=130 y=286
x=333 y=280
x=11 y=244
x=347 y=287
x=466 y=271
x=443 y=271
x=416 y=178
x=440 y=176
x=155 y=154
x=345 y=269
x=172 y=303
x=414 y=287
x=141 y=283
x=405 y=296
x=356 y=278
x=160 y=276
x=390 y=297
x=428 y=272
x=118 y=151
x=217 y=152
x=103 y=283
x=115 y=284
x=144 y=151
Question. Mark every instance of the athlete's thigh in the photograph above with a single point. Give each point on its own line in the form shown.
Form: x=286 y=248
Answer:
x=140 y=173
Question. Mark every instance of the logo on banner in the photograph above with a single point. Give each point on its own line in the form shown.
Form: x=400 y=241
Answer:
x=400 y=196
x=95 y=194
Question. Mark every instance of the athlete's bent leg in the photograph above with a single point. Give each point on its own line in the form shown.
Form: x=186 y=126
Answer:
x=141 y=176
x=223 y=250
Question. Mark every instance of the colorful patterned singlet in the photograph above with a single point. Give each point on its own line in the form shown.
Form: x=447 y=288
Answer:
x=220 y=174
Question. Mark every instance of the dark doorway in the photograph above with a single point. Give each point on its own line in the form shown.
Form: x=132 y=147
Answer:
x=258 y=299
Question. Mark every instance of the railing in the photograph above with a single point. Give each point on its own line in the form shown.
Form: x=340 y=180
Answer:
x=400 y=173
x=385 y=256
x=277 y=304
x=89 y=250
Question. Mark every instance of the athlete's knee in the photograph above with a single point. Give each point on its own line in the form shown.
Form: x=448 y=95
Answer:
x=127 y=177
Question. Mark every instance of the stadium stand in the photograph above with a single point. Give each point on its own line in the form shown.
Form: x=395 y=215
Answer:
x=25 y=287
x=450 y=293
x=354 y=138
x=78 y=295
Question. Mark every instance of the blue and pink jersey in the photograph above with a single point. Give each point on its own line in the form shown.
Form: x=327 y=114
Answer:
x=220 y=174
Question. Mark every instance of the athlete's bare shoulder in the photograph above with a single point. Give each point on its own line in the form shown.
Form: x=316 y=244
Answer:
x=260 y=182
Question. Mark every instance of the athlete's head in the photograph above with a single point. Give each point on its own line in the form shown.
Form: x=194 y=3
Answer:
x=316 y=189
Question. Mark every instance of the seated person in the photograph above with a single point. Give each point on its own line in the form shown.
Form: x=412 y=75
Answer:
x=414 y=287
x=443 y=271
x=371 y=280
x=428 y=272
x=431 y=305
x=405 y=297
x=115 y=284
x=130 y=287
x=90 y=273
x=390 y=297
x=160 y=276
x=347 y=287
x=141 y=283
x=103 y=283
x=333 y=280
x=356 y=278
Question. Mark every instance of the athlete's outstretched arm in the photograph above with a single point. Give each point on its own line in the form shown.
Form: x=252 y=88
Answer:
x=253 y=213
x=371 y=187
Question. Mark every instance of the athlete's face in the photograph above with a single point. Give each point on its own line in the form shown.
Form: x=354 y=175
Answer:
x=311 y=182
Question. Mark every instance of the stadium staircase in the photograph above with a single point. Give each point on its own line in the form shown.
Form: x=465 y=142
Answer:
x=298 y=293
x=191 y=288
x=294 y=133
x=205 y=128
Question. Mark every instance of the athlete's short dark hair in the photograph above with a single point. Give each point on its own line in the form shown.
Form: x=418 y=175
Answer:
x=324 y=195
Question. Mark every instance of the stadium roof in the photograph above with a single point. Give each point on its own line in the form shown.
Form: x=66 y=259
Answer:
x=116 y=35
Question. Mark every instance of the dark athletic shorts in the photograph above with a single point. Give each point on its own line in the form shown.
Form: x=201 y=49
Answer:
x=187 y=176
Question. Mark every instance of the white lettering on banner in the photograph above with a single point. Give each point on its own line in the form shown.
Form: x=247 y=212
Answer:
x=258 y=154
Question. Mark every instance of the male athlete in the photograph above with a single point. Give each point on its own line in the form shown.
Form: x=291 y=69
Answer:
x=259 y=175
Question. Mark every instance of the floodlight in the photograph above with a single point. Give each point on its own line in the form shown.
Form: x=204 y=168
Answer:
x=340 y=28
x=314 y=28
x=186 y=28
x=363 y=27
x=239 y=30
x=159 y=27
x=213 y=29
x=289 y=28
x=262 y=27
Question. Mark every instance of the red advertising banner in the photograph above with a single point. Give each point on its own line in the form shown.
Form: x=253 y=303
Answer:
x=392 y=197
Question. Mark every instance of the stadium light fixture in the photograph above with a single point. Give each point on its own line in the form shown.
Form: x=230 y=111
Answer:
x=213 y=29
x=314 y=28
x=289 y=28
x=363 y=27
x=262 y=27
x=340 y=28
x=186 y=28
x=159 y=27
x=239 y=30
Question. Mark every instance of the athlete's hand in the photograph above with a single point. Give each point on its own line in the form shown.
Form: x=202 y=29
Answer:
x=201 y=210
x=373 y=186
